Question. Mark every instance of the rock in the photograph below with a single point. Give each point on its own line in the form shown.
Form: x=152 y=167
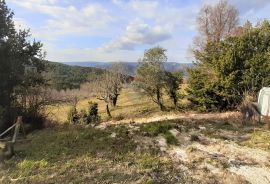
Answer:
x=202 y=128
x=113 y=135
x=162 y=143
x=174 y=132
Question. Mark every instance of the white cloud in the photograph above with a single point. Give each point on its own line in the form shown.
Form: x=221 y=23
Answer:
x=89 y=54
x=138 y=33
x=168 y=23
x=90 y=19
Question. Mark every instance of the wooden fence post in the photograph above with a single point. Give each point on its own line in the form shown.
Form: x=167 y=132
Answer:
x=17 y=128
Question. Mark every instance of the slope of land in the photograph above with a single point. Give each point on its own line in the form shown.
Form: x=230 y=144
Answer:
x=172 y=151
x=143 y=145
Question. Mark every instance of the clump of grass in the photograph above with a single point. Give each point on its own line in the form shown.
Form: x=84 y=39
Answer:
x=25 y=167
x=215 y=134
x=148 y=161
x=170 y=138
x=258 y=139
x=154 y=129
x=119 y=117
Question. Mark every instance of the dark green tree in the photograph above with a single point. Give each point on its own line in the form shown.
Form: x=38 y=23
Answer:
x=16 y=54
x=225 y=71
x=172 y=84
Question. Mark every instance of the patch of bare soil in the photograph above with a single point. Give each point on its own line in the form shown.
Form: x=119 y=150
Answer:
x=213 y=159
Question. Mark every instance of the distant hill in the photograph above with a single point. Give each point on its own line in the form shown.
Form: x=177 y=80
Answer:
x=61 y=76
x=130 y=66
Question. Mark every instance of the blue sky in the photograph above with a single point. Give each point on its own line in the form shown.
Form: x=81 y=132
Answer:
x=119 y=30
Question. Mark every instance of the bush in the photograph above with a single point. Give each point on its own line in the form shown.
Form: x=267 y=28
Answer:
x=83 y=116
x=92 y=116
x=73 y=116
x=247 y=107
x=170 y=139
x=153 y=129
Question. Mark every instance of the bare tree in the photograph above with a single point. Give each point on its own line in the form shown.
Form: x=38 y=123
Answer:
x=118 y=78
x=107 y=87
x=218 y=21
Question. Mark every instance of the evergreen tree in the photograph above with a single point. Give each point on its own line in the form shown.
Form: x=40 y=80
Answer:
x=230 y=68
x=16 y=53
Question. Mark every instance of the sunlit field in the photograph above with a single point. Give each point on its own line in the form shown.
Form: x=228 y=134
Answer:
x=130 y=104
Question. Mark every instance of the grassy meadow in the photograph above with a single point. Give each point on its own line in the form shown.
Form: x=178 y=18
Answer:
x=130 y=104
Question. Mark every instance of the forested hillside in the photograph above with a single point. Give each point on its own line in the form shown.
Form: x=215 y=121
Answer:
x=130 y=67
x=62 y=76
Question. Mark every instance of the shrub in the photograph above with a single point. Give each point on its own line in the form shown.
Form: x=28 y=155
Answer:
x=83 y=117
x=92 y=116
x=73 y=116
x=154 y=129
x=247 y=108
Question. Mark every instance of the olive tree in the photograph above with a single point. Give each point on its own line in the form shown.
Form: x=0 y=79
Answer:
x=150 y=74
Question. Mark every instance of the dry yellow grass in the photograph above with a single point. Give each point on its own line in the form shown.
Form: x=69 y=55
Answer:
x=130 y=104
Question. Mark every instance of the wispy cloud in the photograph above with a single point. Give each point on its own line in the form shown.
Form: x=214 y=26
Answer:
x=123 y=27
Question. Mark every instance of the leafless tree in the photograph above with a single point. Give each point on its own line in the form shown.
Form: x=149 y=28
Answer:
x=117 y=79
x=107 y=87
x=217 y=21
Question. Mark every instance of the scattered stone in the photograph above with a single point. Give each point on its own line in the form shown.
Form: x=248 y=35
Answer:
x=202 y=128
x=113 y=135
x=162 y=143
x=174 y=132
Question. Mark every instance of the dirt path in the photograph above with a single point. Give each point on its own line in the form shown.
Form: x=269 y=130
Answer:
x=180 y=116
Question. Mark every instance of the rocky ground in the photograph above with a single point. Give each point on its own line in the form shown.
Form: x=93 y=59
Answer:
x=189 y=148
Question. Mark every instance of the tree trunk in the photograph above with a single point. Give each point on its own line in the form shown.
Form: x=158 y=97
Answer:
x=175 y=102
x=114 y=100
x=161 y=106
x=108 y=111
x=174 y=98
